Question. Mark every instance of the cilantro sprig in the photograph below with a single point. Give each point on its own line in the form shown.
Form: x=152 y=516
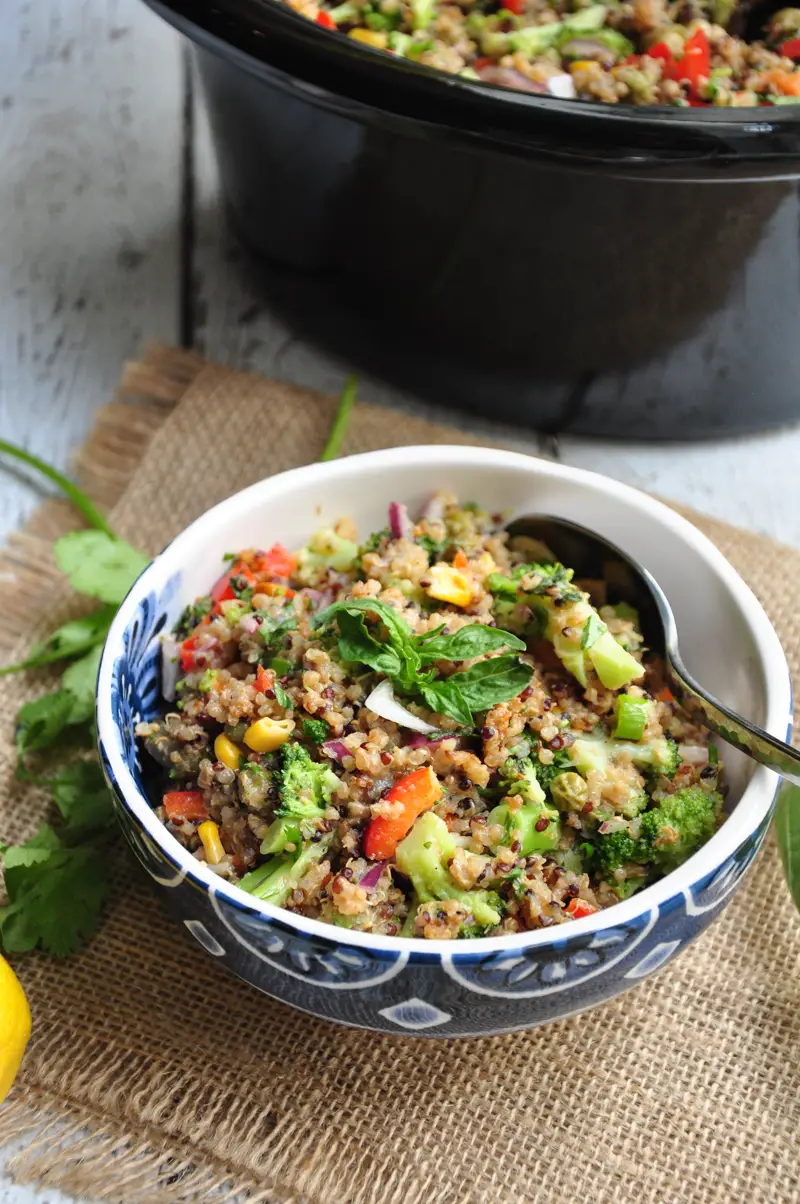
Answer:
x=57 y=882
x=408 y=659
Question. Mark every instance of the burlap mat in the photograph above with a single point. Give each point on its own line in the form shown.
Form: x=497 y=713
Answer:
x=154 y=1077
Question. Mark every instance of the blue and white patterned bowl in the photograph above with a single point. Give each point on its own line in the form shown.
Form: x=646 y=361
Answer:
x=440 y=988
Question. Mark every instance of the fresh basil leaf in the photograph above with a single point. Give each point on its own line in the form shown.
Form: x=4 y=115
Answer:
x=593 y=628
x=787 y=830
x=468 y=642
x=492 y=681
x=356 y=644
x=282 y=698
x=445 y=697
x=41 y=722
x=99 y=565
x=400 y=636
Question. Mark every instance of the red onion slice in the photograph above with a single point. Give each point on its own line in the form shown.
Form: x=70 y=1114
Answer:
x=337 y=750
x=399 y=521
x=418 y=740
x=373 y=876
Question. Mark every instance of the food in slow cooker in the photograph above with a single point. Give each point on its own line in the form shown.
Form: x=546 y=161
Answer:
x=644 y=52
x=436 y=733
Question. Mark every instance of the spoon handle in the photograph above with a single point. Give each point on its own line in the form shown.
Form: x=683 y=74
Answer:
x=733 y=728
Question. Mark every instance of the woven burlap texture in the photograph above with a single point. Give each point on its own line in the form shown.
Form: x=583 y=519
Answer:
x=152 y=1076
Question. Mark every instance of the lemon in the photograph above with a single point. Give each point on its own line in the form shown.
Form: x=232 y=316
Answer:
x=15 y=1027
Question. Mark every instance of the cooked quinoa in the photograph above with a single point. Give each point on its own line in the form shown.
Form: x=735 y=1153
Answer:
x=436 y=733
x=644 y=52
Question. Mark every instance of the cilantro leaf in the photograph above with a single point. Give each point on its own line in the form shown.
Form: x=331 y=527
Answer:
x=98 y=564
x=71 y=639
x=40 y=877
x=41 y=722
x=83 y=798
x=282 y=698
x=80 y=680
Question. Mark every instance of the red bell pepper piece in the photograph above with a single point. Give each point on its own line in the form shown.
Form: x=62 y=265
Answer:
x=264 y=679
x=417 y=792
x=480 y=63
x=325 y=20
x=277 y=562
x=578 y=908
x=660 y=51
x=790 y=49
x=696 y=62
x=514 y=6
x=181 y=805
x=222 y=590
x=188 y=648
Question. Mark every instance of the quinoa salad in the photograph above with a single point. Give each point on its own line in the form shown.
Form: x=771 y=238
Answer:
x=645 y=52
x=437 y=732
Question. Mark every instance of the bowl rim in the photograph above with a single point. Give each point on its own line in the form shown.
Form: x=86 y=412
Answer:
x=751 y=810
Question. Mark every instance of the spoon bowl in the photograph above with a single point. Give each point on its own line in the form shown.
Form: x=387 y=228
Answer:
x=593 y=556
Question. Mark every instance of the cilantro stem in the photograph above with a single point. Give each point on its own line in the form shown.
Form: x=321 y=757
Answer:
x=340 y=418
x=75 y=495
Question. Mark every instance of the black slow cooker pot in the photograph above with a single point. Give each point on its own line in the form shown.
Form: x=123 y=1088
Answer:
x=607 y=270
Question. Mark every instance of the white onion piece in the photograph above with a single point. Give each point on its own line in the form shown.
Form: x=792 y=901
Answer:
x=169 y=666
x=693 y=754
x=248 y=624
x=383 y=702
x=433 y=510
x=561 y=86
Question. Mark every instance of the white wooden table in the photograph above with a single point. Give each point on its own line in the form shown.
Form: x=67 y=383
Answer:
x=111 y=233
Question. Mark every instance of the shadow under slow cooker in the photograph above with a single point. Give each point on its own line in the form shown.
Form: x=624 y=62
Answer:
x=599 y=299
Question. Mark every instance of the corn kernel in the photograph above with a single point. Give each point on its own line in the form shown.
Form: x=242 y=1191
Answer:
x=265 y=735
x=227 y=752
x=582 y=65
x=209 y=834
x=449 y=585
x=371 y=37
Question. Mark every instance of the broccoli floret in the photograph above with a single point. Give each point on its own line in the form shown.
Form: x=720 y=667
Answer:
x=316 y=730
x=325 y=550
x=304 y=790
x=423 y=856
x=520 y=776
x=561 y=763
x=680 y=825
x=618 y=849
x=275 y=880
x=304 y=786
x=535 y=826
x=659 y=757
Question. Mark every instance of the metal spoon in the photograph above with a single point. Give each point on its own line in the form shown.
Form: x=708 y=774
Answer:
x=590 y=555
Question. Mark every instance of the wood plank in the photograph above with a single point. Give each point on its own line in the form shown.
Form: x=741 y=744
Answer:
x=753 y=483
x=90 y=138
